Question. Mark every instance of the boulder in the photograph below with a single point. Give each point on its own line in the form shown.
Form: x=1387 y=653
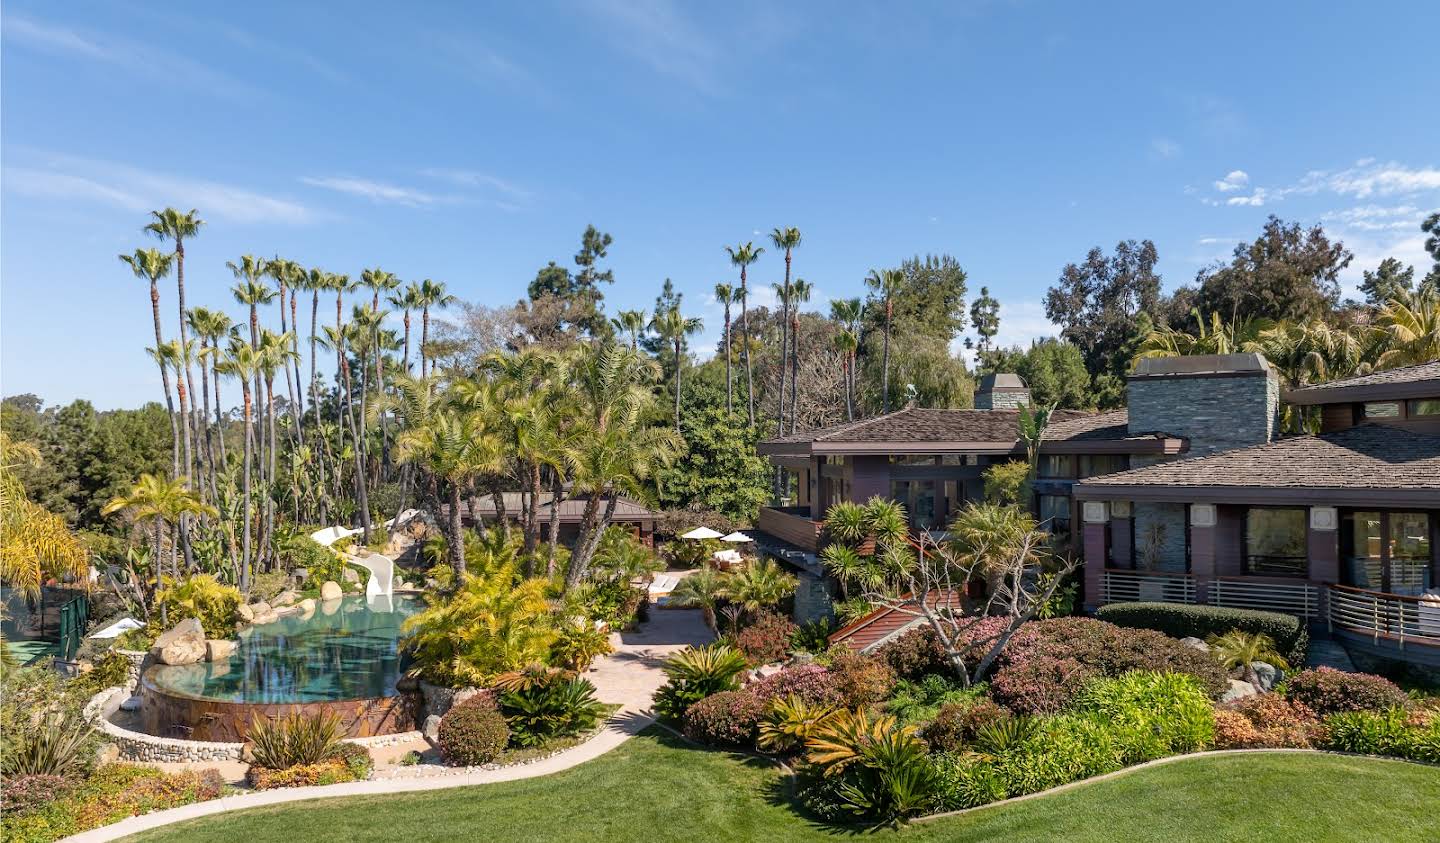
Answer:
x=130 y=704
x=307 y=605
x=260 y=608
x=107 y=754
x=1238 y=691
x=245 y=613
x=287 y=611
x=432 y=728
x=269 y=616
x=285 y=598
x=1196 y=643
x=218 y=649
x=1268 y=674
x=247 y=752
x=183 y=644
x=330 y=591
x=351 y=575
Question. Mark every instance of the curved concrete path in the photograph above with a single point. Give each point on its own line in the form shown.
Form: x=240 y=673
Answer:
x=628 y=677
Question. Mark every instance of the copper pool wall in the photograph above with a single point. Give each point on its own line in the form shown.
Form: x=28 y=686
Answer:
x=168 y=714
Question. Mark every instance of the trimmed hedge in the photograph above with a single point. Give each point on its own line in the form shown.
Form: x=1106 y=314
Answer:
x=1182 y=620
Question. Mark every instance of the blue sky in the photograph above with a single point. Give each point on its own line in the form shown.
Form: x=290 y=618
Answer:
x=471 y=143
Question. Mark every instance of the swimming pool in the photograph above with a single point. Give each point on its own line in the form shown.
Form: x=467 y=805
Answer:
x=341 y=658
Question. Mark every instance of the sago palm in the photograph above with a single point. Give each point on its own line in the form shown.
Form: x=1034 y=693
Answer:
x=1238 y=649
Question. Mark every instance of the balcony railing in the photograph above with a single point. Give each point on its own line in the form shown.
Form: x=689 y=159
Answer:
x=792 y=524
x=1292 y=598
x=1122 y=586
x=1392 y=617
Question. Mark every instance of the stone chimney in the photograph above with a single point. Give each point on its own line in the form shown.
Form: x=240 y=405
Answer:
x=1218 y=402
x=1001 y=391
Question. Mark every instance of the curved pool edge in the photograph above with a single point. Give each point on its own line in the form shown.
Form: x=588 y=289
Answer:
x=179 y=716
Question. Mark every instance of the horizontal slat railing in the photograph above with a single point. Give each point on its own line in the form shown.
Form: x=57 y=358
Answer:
x=794 y=528
x=1389 y=616
x=1301 y=598
x=1146 y=587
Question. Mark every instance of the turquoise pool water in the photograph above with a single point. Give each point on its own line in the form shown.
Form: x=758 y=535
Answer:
x=344 y=650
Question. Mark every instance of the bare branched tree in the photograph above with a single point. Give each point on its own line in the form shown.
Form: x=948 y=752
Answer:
x=1024 y=576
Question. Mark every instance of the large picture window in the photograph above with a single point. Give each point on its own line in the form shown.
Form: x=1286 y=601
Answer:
x=1275 y=542
x=1387 y=551
x=1054 y=519
x=918 y=498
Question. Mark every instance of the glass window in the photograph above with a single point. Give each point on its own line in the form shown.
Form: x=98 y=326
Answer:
x=1092 y=465
x=1054 y=517
x=1361 y=542
x=1409 y=552
x=918 y=498
x=1425 y=407
x=1275 y=542
x=1056 y=465
x=1382 y=410
x=914 y=459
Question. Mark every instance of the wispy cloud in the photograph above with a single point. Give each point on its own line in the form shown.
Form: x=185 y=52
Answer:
x=63 y=178
x=658 y=33
x=476 y=179
x=132 y=56
x=1367 y=178
x=1164 y=148
x=377 y=191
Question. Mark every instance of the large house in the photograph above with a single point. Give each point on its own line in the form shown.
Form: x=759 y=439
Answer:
x=1191 y=494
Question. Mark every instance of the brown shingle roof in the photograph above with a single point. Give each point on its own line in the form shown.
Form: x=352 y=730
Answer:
x=1420 y=381
x=1370 y=456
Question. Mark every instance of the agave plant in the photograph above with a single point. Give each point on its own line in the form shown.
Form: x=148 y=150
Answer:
x=791 y=722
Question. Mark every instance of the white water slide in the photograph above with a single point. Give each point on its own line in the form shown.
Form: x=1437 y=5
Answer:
x=381 y=568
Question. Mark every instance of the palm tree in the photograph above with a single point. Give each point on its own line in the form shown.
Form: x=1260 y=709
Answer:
x=275 y=352
x=164 y=502
x=674 y=328
x=725 y=295
x=799 y=294
x=848 y=313
x=242 y=363
x=432 y=294
x=1412 y=325
x=630 y=322
x=152 y=265
x=288 y=273
x=452 y=448
x=172 y=224
x=785 y=239
x=378 y=281
x=410 y=299
x=742 y=256
x=1242 y=649
x=33 y=541
x=762 y=584
x=210 y=326
x=886 y=282
x=702 y=590
x=316 y=280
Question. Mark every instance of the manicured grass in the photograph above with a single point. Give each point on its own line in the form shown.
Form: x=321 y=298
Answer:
x=656 y=788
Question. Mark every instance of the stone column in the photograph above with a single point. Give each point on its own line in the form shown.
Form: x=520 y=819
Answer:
x=1096 y=515
x=1202 y=548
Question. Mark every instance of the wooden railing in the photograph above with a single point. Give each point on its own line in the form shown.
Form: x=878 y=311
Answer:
x=1393 y=617
x=789 y=524
x=1123 y=586
x=1292 y=598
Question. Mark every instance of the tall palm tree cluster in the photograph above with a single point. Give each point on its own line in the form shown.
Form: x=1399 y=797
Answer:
x=1404 y=331
x=306 y=452
x=555 y=425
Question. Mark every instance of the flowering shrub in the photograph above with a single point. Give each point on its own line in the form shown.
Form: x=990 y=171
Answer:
x=766 y=640
x=810 y=682
x=957 y=724
x=861 y=680
x=473 y=732
x=21 y=793
x=915 y=654
x=1327 y=690
x=1266 y=720
x=1048 y=662
x=729 y=718
x=112 y=793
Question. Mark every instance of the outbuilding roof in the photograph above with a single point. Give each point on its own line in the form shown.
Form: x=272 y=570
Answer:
x=1418 y=381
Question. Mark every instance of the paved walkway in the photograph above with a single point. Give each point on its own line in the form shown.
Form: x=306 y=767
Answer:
x=628 y=677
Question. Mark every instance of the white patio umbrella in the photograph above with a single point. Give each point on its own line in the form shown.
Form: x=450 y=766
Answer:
x=700 y=533
x=736 y=536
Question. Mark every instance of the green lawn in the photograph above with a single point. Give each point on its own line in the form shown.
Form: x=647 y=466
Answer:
x=655 y=788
